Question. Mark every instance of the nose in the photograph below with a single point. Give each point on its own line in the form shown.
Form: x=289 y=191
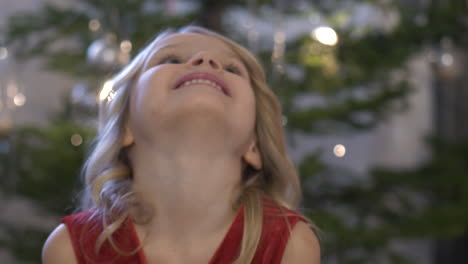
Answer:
x=205 y=59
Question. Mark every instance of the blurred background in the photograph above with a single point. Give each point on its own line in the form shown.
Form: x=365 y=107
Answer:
x=375 y=109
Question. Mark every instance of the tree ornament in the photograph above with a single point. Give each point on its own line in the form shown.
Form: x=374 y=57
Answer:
x=105 y=53
x=82 y=95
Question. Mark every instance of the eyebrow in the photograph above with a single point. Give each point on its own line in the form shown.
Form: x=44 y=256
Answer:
x=154 y=53
x=231 y=54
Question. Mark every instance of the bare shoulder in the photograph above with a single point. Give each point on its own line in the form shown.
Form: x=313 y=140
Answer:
x=303 y=246
x=58 y=247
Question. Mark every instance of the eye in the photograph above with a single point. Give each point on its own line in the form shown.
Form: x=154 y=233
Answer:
x=171 y=59
x=233 y=69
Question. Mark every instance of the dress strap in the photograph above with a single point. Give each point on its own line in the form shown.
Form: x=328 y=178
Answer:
x=84 y=229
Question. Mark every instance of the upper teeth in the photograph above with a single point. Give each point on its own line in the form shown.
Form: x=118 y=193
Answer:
x=195 y=81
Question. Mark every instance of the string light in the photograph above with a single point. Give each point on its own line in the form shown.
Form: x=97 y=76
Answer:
x=19 y=99
x=126 y=46
x=94 y=25
x=339 y=150
x=76 y=140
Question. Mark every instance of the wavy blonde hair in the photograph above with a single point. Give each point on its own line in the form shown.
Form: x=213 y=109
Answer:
x=107 y=172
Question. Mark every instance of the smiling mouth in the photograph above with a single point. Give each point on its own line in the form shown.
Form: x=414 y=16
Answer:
x=201 y=82
x=203 y=78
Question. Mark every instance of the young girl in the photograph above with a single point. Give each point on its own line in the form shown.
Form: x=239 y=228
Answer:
x=189 y=165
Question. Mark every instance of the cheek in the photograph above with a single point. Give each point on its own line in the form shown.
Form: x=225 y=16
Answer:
x=249 y=98
x=252 y=108
x=148 y=95
x=247 y=107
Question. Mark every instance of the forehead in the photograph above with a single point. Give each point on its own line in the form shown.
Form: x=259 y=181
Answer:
x=194 y=42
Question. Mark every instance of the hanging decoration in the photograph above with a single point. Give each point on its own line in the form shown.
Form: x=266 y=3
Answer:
x=82 y=95
x=106 y=53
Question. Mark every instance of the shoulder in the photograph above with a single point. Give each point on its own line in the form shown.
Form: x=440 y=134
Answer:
x=58 y=247
x=302 y=247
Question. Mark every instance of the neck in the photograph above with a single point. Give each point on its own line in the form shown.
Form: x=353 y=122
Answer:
x=186 y=188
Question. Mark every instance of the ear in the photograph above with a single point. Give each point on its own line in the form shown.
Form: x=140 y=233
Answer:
x=128 y=137
x=253 y=156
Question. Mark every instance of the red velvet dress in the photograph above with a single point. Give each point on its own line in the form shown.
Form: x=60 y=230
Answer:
x=275 y=234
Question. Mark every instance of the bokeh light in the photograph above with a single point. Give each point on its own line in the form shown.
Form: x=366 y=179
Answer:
x=339 y=150
x=76 y=140
x=325 y=35
x=106 y=91
x=19 y=99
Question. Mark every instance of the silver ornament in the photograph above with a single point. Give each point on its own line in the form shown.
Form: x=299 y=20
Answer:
x=104 y=52
x=82 y=95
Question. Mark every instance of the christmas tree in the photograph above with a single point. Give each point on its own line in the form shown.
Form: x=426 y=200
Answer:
x=356 y=73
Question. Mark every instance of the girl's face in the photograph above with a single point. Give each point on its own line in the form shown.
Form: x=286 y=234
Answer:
x=191 y=81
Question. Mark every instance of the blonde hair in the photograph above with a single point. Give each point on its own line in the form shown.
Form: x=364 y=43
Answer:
x=107 y=173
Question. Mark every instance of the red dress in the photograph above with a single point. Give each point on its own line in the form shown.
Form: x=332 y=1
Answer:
x=275 y=234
